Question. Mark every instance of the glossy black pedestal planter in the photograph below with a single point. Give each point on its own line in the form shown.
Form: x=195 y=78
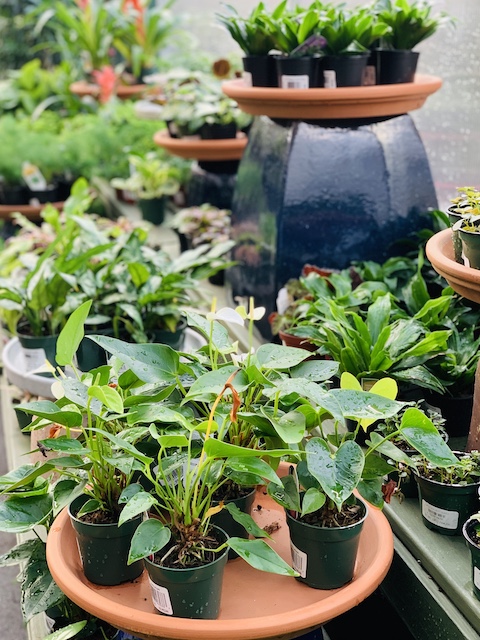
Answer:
x=325 y=193
x=212 y=182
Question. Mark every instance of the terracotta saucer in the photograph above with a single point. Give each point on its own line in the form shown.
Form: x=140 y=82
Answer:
x=197 y=149
x=254 y=604
x=462 y=279
x=341 y=103
x=32 y=212
x=83 y=88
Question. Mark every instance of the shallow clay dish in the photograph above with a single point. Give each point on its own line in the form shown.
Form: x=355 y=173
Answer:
x=462 y=279
x=82 y=89
x=254 y=604
x=197 y=149
x=341 y=103
x=32 y=212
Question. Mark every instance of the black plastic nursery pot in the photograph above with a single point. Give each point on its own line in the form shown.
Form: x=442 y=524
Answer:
x=456 y=410
x=297 y=73
x=342 y=71
x=174 y=339
x=90 y=355
x=153 y=209
x=189 y=593
x=13 y=194
x=468 y=533
x=454 y=217
x=50 y=194
x=395 y=66
x=36 y=350
x=260 y=71
x=325 y=557
x=445 y=508
x=471 y=247
x=218 y=131
x=104 y=548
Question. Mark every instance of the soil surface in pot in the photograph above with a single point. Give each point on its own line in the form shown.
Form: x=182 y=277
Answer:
x=101 y=516
x=332 y=518
x=231 y=491
x=180 y=554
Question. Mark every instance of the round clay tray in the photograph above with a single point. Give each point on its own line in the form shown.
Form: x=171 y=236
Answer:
x=254 y=604
x=462 y=279
x=124 y=92
x=32 y=212
x=341 y=103
x=197 y=149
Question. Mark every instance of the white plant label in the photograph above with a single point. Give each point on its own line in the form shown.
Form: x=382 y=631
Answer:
x=440 y=517
x=34 y=358
x=33 y=177
x=247 y=79
x=161 y=599
x=299 y=560
x=329 y=79
x=369 y=76
x=476 y=577
x=295 y=82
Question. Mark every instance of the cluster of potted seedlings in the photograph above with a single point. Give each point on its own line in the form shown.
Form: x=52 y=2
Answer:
x=328 y=45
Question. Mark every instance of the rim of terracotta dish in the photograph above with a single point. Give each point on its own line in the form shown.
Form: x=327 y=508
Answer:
x=83 y=88
x=66 y=571
x=462 y=279
x=340 y=103
x=32 y=212
x=197 y=149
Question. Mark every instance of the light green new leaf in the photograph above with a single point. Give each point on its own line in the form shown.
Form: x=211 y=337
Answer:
x=313 y=500
x=108 y=396
x=65 y=633
x=72 y=334
x=422 y=435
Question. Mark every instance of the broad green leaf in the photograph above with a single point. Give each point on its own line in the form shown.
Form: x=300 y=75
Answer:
x=277 y=357
x=246 y=521
x=150 y=537
x=260 y=556
x=139 y=503
x=217 y=449
x=150 y=362
x=157 y=412
x=50 y=411
x=18 y=515
x=90 y=506
x=338 y=473
x=422 y=435
x=65 y=633
x=286 y=494
x=65 y=445
x=363 y=404
x=255 y=466
x=315 y=370
x=371 y=490
x=19 y=553
x=212 y=383
x=129 y=491
x=39 y=591
x=289 y=426
x=313 y=500
x=218 y=333
x=108 y=396
x=71 y=335
x=387 y=448
x=375 y=467
x=64 y=492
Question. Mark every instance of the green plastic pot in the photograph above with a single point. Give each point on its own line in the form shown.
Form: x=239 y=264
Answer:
x=446 y=507
x=189 y=593
x=153 y=209
x=37 y=349
x=232 y=528
x=467 y=531
x=325 y=557
x=471 y=247
x=104 y=548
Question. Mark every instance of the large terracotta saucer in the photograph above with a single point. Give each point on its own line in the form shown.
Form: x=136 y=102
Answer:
x=341 y=103
x=462 y=279
x=254 y=604
x=197 y=149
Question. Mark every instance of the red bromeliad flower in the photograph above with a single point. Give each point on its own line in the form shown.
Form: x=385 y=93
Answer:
x=83 y=4
x=106 y=78
x=139 y=9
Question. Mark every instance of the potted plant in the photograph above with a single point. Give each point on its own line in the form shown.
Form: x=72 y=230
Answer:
x=471 y=535
x=409 y=22
x=468 y=230
x=448 y=495
x=253 y=36
x=152 y=180
x=321 y=496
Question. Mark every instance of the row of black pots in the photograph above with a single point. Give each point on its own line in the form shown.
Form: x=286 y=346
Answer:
x=21 y=195
x=389 y=67
x=208 y=131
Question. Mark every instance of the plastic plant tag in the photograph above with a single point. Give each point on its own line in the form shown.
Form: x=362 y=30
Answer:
x=34 y=359
x=440 y=517
x=329 y=79
x=299 y=560
x=295 y=82
x=161 y=599
x=33 y=177
x=369 y=76
x=313 y=44
x=247 y=78
x=476 y=577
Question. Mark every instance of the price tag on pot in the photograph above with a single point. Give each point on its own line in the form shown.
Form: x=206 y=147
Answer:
x=440 y=517
x=329 y=79
x=247 y=79
x=299 y=560
x=161 y=599
x=34 y=359
x=295 y=82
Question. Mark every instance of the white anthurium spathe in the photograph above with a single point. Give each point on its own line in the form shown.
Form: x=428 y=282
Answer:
x=228 y=315
x=254 y=313
x=57 y=390
x=284 y=300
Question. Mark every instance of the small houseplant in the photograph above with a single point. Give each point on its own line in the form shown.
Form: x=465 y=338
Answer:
x=152 y=180
x=410 y=22
x=471 y=534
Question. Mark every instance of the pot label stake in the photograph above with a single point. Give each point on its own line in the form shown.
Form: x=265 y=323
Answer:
x=440 y=517
x=476 y=577
x=34 y=358
x=295 y=82
x=161 y=598
x=299 y=560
